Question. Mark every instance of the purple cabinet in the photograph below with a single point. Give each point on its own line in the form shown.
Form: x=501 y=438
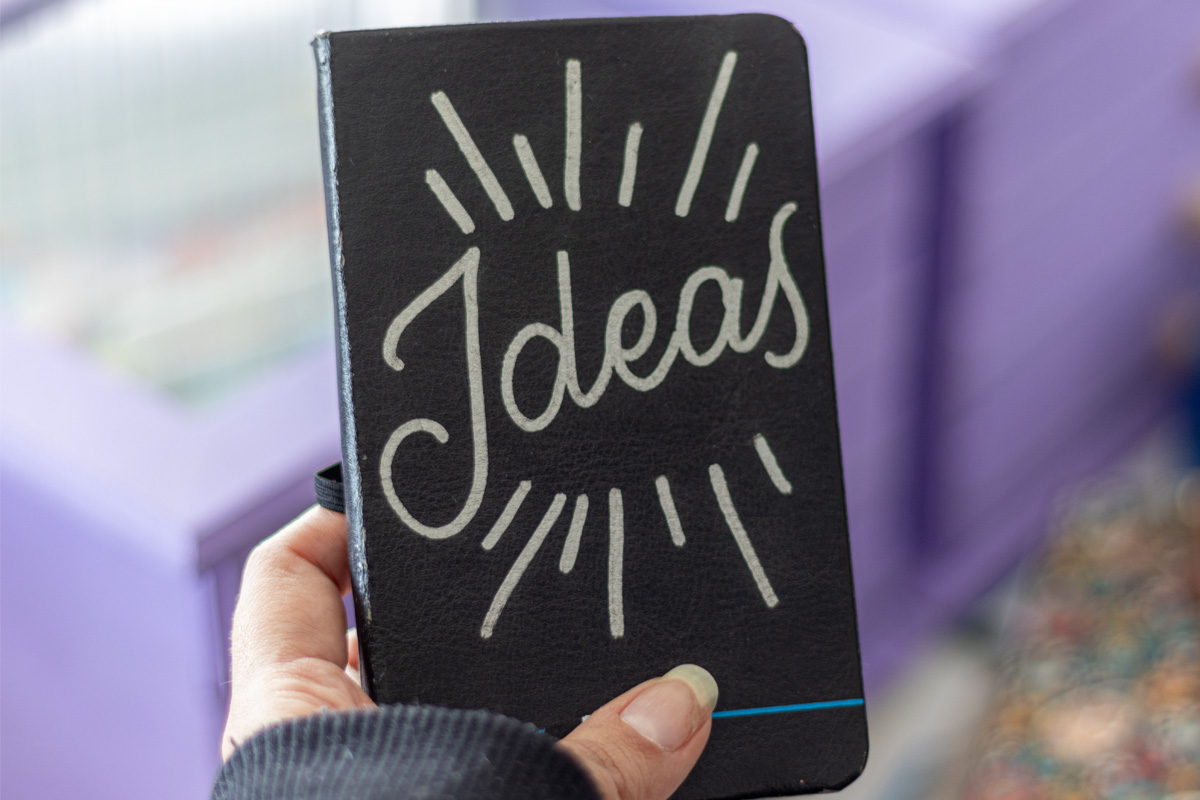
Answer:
x=1063 y=247
x=125 y=520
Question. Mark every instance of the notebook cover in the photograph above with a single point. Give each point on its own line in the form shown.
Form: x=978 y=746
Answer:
x=588 y=416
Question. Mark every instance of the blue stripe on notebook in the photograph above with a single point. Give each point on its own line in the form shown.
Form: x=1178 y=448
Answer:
x=753 y=712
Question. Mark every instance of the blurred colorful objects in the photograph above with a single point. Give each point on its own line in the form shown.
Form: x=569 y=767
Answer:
x=1099 y=692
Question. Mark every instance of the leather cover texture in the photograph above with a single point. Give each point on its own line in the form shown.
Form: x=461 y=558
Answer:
x=588 y=411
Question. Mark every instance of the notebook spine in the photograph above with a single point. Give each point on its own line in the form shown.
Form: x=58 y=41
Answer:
x=337 y=262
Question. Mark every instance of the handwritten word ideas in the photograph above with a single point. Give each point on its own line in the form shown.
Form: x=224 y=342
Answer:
x=618 y=359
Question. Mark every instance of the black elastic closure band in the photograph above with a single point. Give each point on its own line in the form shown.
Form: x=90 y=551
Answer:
x=330 y=492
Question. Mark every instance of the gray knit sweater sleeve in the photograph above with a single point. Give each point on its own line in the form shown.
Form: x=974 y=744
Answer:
x=401 y=752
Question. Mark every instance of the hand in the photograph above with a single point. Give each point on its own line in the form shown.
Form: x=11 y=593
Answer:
x=292 y=657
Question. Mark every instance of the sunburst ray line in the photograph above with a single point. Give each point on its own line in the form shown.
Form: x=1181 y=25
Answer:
x=571 y=545
x=704 y=138
x=574 y=85
x=449 y=201
x=721 y=489
x=521 y=564
x=629 y=169
x=506 y=516
x=668 y=508
x=533 y=173
x=767 y=457
x=475 y=158
x=616 y=564
x=739 y=183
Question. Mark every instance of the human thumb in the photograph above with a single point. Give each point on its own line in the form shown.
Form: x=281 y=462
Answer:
x=642 y=745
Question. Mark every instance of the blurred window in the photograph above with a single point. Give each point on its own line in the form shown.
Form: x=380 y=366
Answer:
x=161 y=200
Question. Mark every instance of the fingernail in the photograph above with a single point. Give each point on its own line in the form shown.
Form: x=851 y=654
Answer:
x=702 y=683
x=671 y=711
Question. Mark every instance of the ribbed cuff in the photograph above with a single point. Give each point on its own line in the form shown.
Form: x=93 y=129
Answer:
x=401 y=752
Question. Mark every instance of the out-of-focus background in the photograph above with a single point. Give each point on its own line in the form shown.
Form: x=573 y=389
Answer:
x=1011 y=202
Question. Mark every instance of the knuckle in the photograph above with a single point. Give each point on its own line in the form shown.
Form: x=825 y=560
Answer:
x=271 y=559
x=261 y=560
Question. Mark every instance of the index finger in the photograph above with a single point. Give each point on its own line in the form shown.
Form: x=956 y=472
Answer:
x=290 y=605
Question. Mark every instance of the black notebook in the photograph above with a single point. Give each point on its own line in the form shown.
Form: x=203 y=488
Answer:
x=588 y=416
